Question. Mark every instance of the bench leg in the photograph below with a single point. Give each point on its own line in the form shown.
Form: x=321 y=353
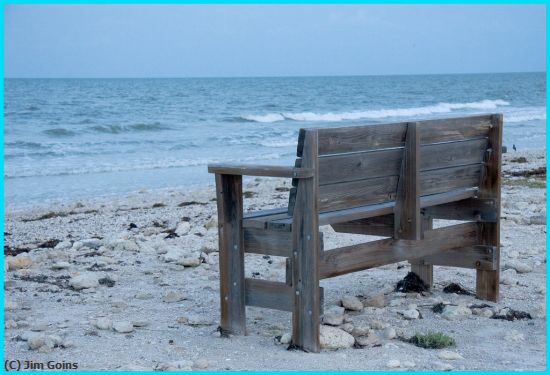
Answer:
x=424 y=271
x=487 y=282
x=232 y=286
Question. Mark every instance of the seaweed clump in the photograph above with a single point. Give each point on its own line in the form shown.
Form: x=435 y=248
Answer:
x=411 y=283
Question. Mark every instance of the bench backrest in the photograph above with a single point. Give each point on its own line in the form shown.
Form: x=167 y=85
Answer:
x=361 y=165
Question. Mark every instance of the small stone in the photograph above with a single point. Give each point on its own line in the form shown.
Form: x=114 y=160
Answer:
x=173 y=296
x=182 y=365
x=121 y=245
x=393 y=363
x=144 y=295
x=189 y=262
x=123 y=327
x=194 y=320
x=37 y=341
x=537 y=220
x=140 y=323
x=212 y=223
x=173 y=254
x=63 y=245
x=520 y=267
x=408 y=364
x=286 y=338
x=389 y=333
x=362 y=330
x=376 y=301
x=183 y=228
x=84 y=281
x=335 y=338
x=10 y=324
x=442 y=366
x=368 y=341
x=10 y=305
x=508 y=277
x=334 y=316
x=348 y=327
x=456 y=312
x=485 y=312
x=410 y=314
x=92 y=243
x=448 y=355
x=352 y=303
x=19 y=262
x=200 y=363
x=60 y=266
x=103 y=323
x=377 y=324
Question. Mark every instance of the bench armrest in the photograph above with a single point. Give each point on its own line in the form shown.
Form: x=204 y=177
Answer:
x=260 y=170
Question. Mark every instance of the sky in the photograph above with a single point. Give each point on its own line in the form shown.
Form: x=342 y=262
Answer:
x=271 y=40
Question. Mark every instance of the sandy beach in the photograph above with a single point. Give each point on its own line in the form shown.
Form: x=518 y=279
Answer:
x=131 y=283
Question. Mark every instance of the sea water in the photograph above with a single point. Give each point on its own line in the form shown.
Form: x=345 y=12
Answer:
x=78 y=138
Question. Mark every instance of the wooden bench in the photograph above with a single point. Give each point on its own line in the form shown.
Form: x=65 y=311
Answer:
x=388 y=180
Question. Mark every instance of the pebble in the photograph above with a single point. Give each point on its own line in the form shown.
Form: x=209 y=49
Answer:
x=448 y=355
x=352 y=303
x=286 y=338
x=84 y=281
x=183 y=228
x=442 y=366
x=537 y=220
x=520 y=267
x=19 y=262
x=140 y=323
x=334 y=316
x=456 y=312
x=389 y=333
x=10 y=324
x=335 y=338
x=212 y=223
x=362 y=330
x=408 y=364
x=189 y=262
x=63 y=245
x=485 y=312
x=376 y=301
x=410 y=314
x=200 y=364
x=60 y=266
x=92 y=243
x=508 y=277
x=103 y=323
x=10 y=305
x=348 y=327
x=123 y=327
x=173 y=296
x=369 y=341
x=195 y=320
x=393 y=363
x=121 y=245
x=173 y=254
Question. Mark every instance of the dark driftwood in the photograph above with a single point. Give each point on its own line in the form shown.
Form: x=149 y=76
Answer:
x=387 y=180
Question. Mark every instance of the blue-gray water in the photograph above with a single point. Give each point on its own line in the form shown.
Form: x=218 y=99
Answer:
x=77 y=138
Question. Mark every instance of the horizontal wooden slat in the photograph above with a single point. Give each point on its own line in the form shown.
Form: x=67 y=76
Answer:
x=268 y=294
x=474 y=209
x=446 y=179
x=474 y=257
x=386 y=208
x=362 y=165
x=374 y=226
x=260 y=221
x=260 y=170
x=261 y=241
x=369 y=137
x=263 y=213
x=378 y=253
x=357 y=193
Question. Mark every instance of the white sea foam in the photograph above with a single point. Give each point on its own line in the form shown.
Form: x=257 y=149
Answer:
x=375 y=114
x=525 y=114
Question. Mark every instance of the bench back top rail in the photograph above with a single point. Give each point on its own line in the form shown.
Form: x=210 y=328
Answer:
x=362 y=165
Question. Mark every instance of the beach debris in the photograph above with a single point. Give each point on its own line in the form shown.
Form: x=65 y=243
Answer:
x=191 y=203
x=335 y=338
x=518 y=266
x=376 y=301
x=123 y=327
x=438 y=307
x=431 y=340
x=107 y=281
x=19 y=262
x=352 y=303
x=49 y=244
x=511 y=315
x=334 y=316
x=451 y=312
x=410 y=314
x=103 y=323
x=411 y=283
x=457 y=289
x=132 y=226
x=84 y=281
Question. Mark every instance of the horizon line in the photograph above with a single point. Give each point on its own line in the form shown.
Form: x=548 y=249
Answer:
x=270 y=76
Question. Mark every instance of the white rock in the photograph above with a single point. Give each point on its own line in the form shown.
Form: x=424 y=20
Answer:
x=63 y=245
x=210 y=246
x=10 y=324
x=189 y=262
x=60 y=265
x=389 y=333
x=84 y=281
x=410 y=314
x=10 y=305
x=173 y=296
x=335 y=338
x=376 y=301
x=361 y=330
x=19 y=262
x=514 y=336
x=485 y=312
x=520 y=267
x=448 y=355
x=36 y=341
x=122 y=245
x=140 y=323
x=348 y=327
x=200 y=363
x=286 y=338
x=456 y=312
x=92 y=243
x=123 y=327
x=352 y=303
x=195 y=320
x=173 y=254
x=183 y=228
x=508 y=277
x=442 y=366
x=393 y=363
x=212 y=223
x=103 y=323
x=334 y=316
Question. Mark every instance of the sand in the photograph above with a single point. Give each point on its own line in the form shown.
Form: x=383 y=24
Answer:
x=112 y=295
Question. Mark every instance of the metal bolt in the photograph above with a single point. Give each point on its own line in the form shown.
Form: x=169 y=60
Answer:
x=235 y=247
x=309 y=312
x=226 y=298
x=297 y=292
x=234 y=283
x=295 y=174
x=295 y=253
x=478 y=263
x=308 y=237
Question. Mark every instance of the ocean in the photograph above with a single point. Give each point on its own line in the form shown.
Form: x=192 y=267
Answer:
x=70 y=139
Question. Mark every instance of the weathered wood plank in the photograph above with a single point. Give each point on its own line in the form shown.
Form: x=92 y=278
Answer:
x=378 y=253
x=262 y=222
x=231 y=256
x=260 y=170
x=476 y=257
x=487 y=282
x=269 y=294
x=374 y=226
x=445 y=179
x=267 y=242
x=472 y=209
x=305 y=261
x=407 y=222
x=452 y=154
x=424 y=271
